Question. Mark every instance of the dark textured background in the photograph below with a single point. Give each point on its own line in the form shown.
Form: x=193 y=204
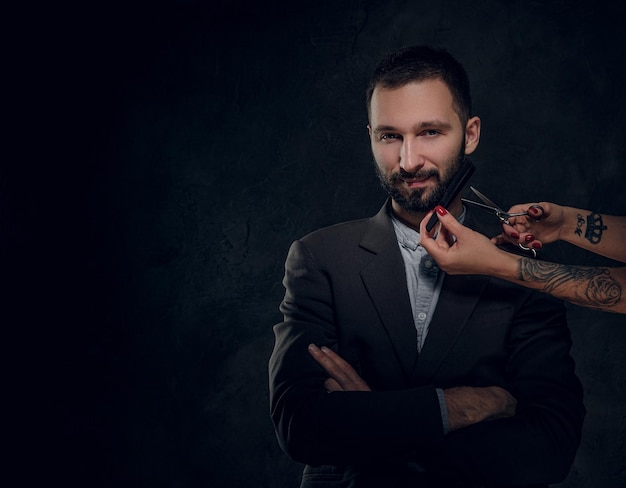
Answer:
x=181 y=147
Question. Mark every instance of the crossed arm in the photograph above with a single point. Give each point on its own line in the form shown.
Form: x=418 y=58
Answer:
x=465 y=405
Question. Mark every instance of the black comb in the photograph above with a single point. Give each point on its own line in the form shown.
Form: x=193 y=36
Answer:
x=466 y=169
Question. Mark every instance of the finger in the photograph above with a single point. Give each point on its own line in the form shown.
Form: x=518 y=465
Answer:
x=449 y=222
x=509 y=234
x=445 y=219
x=315 y=352
x=448 y=229
x=444 y=238
x=533 y=243
x=527 y=239
x=331 y=385
x=337 y=368
x=347 y=377
x=536 y=212
x=547 y=209
x=325 y=361
x=338 y=360
x=509 y=402
x=509 y=231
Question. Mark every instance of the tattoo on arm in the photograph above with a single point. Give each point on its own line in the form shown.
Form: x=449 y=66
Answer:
x=579 y=225
x=593 y=287
x=595 y=228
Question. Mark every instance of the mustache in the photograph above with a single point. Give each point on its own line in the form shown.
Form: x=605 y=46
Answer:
x=405 y=175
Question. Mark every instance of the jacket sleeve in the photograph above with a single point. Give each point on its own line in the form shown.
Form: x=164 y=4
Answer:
x=539 y=443
x=317 y=427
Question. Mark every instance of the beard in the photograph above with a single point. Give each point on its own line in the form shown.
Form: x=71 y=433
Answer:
x=420 y=199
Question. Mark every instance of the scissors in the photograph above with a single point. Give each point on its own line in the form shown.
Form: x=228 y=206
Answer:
x=504 y=217
x=497 y=211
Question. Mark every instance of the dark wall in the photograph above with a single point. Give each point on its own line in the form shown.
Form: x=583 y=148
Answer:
x=182 y=147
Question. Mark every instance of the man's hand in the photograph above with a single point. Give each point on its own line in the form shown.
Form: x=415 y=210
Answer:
x=469 y=405
x=343 y=377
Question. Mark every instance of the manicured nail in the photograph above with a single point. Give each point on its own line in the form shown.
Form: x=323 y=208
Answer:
x=324 y=349
x=514 y=235
x=440 y=210
x=312 y=347
x=529 y=238
x=536 y=245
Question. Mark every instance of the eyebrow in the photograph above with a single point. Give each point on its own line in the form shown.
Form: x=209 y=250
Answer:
x=439 y=124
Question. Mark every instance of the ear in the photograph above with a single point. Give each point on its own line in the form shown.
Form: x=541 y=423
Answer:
x=472 y=135
x=369 y=130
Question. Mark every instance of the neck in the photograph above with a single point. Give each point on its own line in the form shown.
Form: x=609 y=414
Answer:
x=413 y=219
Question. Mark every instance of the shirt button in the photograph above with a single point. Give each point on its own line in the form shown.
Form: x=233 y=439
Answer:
x=421 y=316
x=428 y=263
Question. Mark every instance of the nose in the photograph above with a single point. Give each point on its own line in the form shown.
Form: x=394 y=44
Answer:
x=411 y=158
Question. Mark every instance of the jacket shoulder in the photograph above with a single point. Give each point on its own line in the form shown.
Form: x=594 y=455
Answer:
x=346 y=232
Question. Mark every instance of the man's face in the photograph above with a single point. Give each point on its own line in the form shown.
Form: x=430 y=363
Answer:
x=418 y=142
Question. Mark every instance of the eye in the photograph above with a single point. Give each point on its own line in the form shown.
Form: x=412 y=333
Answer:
x=389 y=137
x=430 y=133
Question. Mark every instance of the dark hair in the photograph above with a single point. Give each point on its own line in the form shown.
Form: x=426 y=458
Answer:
x=420 y=63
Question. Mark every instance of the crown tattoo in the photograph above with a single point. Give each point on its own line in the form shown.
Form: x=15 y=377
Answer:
x=595 y=228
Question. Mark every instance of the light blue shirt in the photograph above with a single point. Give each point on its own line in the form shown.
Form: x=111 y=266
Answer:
x=424 y=279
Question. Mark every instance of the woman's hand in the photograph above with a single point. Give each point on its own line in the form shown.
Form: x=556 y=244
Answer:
x=542 y=226
x=460 y=250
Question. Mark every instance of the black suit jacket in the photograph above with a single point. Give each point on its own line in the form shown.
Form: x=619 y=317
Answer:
x=346 y=289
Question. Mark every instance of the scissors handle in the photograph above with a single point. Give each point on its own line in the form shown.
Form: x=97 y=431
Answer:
x=523 y=214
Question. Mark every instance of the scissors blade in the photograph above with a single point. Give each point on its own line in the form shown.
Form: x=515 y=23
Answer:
x=480 y=205
x=485 y=199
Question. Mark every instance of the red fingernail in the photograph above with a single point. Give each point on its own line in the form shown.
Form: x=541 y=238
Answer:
x=529 y=238
x=536 y=245
x=514 y=235
x=440 y=210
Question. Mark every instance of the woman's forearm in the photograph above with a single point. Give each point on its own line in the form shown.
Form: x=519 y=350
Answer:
x=600 y=288
x=595 y=232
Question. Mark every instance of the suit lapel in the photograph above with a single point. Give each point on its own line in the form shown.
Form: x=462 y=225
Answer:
x=457 y=300
x=384 y=279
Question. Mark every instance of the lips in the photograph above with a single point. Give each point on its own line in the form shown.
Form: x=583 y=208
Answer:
x=416 y=181
x=414 y=178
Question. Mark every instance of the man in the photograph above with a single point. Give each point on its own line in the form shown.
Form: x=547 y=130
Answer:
x=387 y=372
